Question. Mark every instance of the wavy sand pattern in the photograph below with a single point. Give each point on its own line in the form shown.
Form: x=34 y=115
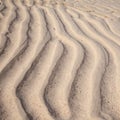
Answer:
x=59 y=60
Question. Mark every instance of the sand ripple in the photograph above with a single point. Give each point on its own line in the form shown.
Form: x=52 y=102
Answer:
x=59 y=60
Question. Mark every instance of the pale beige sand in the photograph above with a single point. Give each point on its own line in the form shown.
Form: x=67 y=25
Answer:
x=59 y=59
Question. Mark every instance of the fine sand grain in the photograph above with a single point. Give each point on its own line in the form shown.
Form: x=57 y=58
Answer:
x=59 y=59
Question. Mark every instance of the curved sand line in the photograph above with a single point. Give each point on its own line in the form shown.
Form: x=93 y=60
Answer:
x=59 y=60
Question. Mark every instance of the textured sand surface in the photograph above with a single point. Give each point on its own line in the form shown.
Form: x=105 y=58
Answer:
x=59 y=59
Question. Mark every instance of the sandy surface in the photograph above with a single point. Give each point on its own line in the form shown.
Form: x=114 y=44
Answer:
x=60 y=60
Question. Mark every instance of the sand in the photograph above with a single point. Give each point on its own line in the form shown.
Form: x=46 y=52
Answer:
x=59 y=60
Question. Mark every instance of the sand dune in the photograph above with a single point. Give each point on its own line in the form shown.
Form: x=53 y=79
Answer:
x=59 y=60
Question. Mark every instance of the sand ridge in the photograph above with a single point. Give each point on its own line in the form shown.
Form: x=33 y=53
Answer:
x=59 y=60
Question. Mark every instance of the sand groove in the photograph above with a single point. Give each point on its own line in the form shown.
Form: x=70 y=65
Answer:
x=59 y=61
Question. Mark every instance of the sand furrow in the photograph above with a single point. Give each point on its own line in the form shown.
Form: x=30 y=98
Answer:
x=71 y=56
x=100 y=23
x=20 y=67
x=19 y=28
x=30 y=90
x=109 y=25
x=111 y=72
x=42 y=67
x=7 y=18
x=114 y=25
x=102 y=27
x=92 y=62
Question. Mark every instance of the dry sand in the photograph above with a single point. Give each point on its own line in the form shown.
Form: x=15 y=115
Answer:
x=59 y=59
